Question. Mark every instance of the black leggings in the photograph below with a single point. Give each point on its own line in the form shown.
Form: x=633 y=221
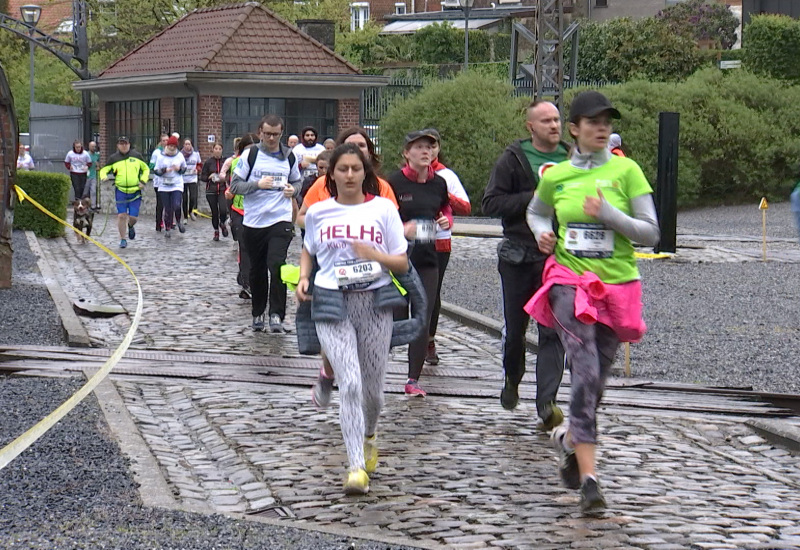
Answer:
x=418 y=349
x=159 y=209
x=219 y=208
x=78 y=184
x=189 y=198
x=444 y=259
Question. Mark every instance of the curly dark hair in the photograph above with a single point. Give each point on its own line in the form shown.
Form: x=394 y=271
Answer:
x=370 y=185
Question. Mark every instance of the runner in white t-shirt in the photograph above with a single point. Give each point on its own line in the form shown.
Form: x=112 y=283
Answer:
x=357 y=239
x=78 y=162
x=307 y=150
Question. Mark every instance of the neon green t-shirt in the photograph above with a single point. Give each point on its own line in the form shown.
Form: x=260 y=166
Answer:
x=565 y=187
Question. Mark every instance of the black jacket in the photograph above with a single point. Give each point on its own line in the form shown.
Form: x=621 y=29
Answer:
x=212 y=166
x=510 y=189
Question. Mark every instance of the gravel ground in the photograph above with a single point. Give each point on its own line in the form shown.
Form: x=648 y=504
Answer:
x=720 y=324
x=27 y=314
x=72 y=489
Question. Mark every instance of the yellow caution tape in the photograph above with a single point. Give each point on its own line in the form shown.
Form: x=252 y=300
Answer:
x=20 y=444
x=196 y=211
x=648 y=256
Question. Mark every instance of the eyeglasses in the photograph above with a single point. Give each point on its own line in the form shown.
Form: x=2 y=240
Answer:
x=272 y=134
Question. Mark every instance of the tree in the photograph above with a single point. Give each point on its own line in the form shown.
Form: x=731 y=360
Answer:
x=702 y=20
x=477 y=117
x=618 y=50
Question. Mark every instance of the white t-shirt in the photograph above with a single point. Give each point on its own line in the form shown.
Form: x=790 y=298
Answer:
x=266 y=207
x=154 y=162
x=190 y=176
x=332 y=227
x=78 y=162
x=455 y=188
x=301 y=150
x=170 y=181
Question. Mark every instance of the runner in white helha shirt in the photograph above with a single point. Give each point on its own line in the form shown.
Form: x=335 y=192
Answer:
x=357 y=238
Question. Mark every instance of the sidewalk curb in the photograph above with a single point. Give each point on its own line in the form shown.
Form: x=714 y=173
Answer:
x=74 y=330
x=777 y=432
x=482 y=323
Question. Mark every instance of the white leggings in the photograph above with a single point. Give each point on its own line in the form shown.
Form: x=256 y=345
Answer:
x=358 y=349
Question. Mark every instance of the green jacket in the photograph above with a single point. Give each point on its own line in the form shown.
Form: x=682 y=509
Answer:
x=129 y=171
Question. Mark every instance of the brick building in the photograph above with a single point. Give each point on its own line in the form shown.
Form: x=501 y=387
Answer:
x=216 y=72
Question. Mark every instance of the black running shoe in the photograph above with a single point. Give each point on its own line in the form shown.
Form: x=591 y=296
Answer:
x=509 y=397
x=567 y=461
x=591 y=495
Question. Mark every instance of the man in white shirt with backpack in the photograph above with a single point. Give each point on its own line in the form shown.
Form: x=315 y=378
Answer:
x=268 y=177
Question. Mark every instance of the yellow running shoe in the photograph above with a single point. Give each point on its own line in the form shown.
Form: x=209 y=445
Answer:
x=371 y=453
x=357 y=483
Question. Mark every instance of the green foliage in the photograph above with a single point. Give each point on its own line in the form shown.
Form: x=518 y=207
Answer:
x=621 y=49
x=443 y=43
x=702 y=20
x=477 y=117
x=739 y=133
x=52 y=79
x=49 y=190
x=772 y=43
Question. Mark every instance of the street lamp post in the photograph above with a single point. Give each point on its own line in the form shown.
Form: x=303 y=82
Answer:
x=465 y=6
x=30 y=15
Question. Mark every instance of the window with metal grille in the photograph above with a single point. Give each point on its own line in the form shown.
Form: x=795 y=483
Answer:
x=600 y=3
x=241 y=115
x=139 y=121
x=184 y=122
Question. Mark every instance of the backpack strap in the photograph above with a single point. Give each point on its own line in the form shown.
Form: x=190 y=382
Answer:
x=251 y=160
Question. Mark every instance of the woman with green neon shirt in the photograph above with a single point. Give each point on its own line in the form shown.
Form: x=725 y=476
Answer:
x=591 y=292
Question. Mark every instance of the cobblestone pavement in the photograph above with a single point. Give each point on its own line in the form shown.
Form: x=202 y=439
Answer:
x=456 y=471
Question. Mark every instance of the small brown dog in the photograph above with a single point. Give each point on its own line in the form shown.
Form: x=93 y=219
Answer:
x=83 y=218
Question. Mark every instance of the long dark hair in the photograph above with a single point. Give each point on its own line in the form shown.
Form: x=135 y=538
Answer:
x=375 y=158
x=370 y=185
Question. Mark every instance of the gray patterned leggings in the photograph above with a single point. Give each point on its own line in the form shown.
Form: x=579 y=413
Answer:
x=358 y=349
x=590 y=351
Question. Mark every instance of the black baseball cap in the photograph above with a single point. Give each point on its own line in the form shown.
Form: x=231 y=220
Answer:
x=589 y=104
x=123 y=139
x=420 y=134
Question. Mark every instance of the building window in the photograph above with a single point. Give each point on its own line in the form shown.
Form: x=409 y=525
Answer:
x=139 y=121
x=399 y=8
x=241 y=115
x=359 y=15
x=600 y=3
x=184 y=121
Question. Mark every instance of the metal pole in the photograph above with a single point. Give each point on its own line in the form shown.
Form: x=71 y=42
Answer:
x=466 y=38
x=30 y=106
x=667 y=181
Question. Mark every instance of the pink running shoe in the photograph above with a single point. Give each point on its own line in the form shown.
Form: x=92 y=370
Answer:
x=412 y=388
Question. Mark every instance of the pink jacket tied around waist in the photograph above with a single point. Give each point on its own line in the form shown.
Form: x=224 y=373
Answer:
x=617 y=306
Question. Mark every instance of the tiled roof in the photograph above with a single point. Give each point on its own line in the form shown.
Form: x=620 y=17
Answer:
x=245 y=38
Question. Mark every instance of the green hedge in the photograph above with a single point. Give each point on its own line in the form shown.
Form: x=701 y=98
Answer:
x=771 y=44
x=739 y=133
x=49 y=190
x=477 y=117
